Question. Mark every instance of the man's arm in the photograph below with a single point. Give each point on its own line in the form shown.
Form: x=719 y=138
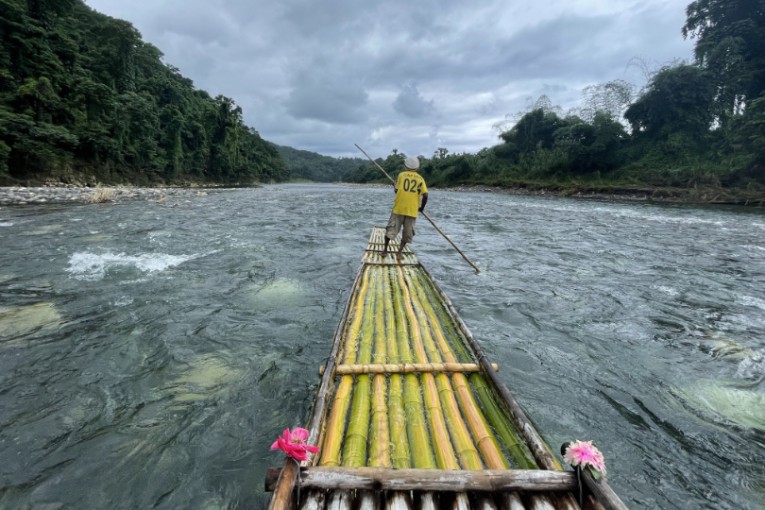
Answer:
x=424 y=201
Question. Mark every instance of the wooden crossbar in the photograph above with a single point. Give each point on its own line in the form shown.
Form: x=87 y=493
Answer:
x=406 y=368
x=531 y=480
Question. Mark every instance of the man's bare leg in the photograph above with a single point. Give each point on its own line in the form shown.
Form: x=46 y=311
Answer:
x=385 y=248
x=400 y=252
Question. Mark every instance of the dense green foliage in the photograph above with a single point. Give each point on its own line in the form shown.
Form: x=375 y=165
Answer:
x=315 y=167
x=700 y=124
x=83 y=99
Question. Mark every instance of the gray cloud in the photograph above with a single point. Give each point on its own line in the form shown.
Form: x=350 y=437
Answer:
x=407 y=75
x=411 y=103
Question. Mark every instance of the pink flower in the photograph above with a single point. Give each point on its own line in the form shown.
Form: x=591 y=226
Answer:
x=294 y=444
x=585 y=454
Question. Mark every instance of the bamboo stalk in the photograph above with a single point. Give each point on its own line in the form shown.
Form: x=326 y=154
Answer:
x=491 y=410
x=485 y=440
x=335 y=427
x=539 y=448
x=420 y=446
x=451 y=332
x=400 y=454
x=379 y=437
x=501 y=424
x=442 y=435
x=356 y=438
x=333 y=438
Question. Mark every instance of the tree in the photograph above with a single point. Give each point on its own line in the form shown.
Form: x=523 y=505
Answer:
x=611 y=98
x=730 y=45
x=678 y=99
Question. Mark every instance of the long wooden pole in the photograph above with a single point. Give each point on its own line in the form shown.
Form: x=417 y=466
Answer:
x=532 y=481
x=423 y=212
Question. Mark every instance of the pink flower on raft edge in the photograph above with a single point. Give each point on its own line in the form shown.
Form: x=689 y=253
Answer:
x=294 y=444
x=585 y=454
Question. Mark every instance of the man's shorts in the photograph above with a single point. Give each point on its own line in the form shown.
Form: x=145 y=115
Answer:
x=395 y=223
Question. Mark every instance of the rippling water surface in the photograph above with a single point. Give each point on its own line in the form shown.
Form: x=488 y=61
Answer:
x=150 y=353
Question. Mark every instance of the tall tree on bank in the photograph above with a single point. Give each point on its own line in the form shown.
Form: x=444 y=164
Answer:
x=730 y=44
x=84 y=99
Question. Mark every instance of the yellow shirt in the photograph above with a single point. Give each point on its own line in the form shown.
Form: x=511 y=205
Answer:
x=409 y=187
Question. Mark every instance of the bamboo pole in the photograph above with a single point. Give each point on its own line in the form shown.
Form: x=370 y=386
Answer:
x=538 y=447
x=400 y=454
x=485 y=440
x=379 y=436
x=423 y=213
x=440 y=405
x=356 y=438
x=335 y=427
x=501 y=424
x=420 y=446
x=496 y=417
x=486 y=480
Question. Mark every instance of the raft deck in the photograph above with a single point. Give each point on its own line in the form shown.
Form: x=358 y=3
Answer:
x=411 y=414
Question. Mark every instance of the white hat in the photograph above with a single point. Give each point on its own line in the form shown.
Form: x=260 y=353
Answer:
x=412 y=163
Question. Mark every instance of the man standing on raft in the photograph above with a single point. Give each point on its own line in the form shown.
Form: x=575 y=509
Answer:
x=409 y=187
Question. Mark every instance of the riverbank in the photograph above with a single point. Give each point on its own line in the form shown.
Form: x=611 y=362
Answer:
x=710 y=196
x=20 y=195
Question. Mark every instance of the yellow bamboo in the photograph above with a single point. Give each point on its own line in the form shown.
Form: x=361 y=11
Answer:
x=350 y=342
x=356 y=439
x=486 y=442
x=406 y=368
x=457 y=344
x=400 y=456
x=420 y=446
x=444 y=396
x=447 y=459
x=333 y=439
x=379 y=436
x=335 y=428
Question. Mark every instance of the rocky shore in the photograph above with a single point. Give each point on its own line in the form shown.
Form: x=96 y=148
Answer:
x=16 y=195
x=712 y=196
x=70 y=194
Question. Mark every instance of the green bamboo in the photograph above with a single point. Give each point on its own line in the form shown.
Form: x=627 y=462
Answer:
x=506 y=431
x=335 y=429
x=445 y=455
x=379 y=435
x=356 y=439
x=499 y=421
x=444 y=398
x=452 y=333
x=420 y=447
x=400 y=455
x=486 y=442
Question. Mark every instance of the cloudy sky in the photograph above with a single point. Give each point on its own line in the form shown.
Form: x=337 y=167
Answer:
x=411 y=75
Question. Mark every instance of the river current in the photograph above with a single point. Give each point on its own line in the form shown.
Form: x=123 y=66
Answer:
x=150 y=353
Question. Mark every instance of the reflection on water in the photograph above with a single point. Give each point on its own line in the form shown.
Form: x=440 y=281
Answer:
x=150 y=355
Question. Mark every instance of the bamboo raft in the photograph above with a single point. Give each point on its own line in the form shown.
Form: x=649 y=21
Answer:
x=411 y=414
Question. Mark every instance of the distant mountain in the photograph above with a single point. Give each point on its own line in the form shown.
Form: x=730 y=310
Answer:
x=316 y=167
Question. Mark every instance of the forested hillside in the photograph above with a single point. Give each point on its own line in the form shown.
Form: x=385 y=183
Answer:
x=83 y=99
x=315 y=167
x=694 y=126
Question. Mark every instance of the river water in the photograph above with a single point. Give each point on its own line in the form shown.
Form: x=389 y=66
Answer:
x=150 y=353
